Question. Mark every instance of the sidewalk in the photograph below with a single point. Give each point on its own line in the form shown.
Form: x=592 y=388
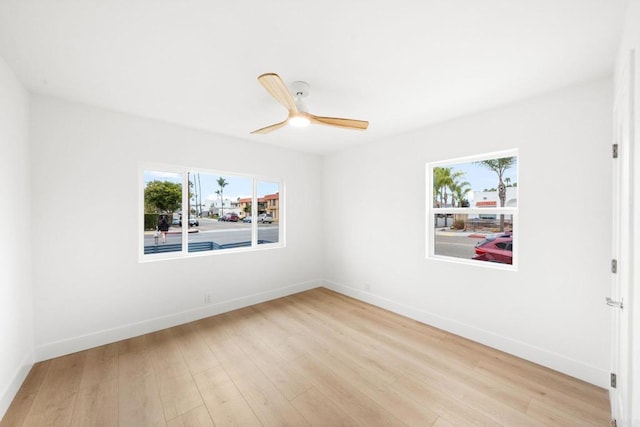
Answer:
x=191 y=230
x=460 y=233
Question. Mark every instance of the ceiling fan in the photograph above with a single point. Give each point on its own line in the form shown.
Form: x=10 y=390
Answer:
x=298 y=114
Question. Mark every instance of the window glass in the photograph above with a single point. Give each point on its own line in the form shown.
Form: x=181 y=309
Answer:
x=162 y=205
x=268 y=211
x=473 y=208
x=215 y=211
x=195 y=211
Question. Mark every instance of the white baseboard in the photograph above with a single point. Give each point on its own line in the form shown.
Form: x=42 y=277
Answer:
x=95 y=339
x=12 y=388
x=557 y=362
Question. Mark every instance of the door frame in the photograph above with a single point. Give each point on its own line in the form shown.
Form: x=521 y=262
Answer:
x=624 y=238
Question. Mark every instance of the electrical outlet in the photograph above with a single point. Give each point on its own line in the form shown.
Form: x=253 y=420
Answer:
x=207 y=298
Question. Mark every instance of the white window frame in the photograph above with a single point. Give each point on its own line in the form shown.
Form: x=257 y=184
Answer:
x=432 y=211
x=184 y=253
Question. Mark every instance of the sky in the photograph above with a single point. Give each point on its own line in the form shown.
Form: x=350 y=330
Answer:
x=238 y=186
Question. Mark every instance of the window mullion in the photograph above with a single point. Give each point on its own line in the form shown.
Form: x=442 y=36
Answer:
x=254 y=214
x=185 y=208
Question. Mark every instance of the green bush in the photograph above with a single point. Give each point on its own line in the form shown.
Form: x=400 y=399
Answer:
x=151 y=221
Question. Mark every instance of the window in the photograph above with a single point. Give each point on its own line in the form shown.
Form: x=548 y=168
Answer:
x=269 y=195
x=473 y=210
x=187 y=212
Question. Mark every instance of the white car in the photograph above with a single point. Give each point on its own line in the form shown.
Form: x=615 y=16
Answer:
x=193 y=222
x=268 y=218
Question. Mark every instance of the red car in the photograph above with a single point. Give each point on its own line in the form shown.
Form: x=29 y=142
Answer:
x=496 y=248
x=232 y=217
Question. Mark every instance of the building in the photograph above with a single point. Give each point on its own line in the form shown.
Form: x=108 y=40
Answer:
x=490 y=199
x=269 y=204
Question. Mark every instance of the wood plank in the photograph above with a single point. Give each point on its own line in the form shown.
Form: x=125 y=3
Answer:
x=551 y=415
x=53 y=405
x=100 y=366
x=213 y=329
x=132 y=345
x=321 y=411
x=138 y=398
x=343 y=394
x=197 y=417
x=319 y=336
x=224 y=401
x=194 y=349
x=528 y=382
x=259 y=343
x=448 y=408
x=271 y=407
x=178 y=391
x=409 y=412
x=441 y=422
x=97 y=405
x=19 y=408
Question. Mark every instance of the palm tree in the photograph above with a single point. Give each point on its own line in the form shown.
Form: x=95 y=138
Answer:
x=438 y=183
x=499 y=166
x=446 y=179
x=460 y=190
x=222 y=183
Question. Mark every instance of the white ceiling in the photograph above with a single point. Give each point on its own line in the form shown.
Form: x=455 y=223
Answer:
x=399 y=64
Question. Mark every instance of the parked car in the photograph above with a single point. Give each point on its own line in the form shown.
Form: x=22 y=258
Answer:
x=233 y=217
x=246 y=219
x=176 y=221
x=268 y=218
x=496 y=248
x=193 y=222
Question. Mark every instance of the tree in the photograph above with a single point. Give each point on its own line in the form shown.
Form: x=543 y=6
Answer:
x=222 y=183
x=438 y=179
x=445 y=179
x=460 y=190
x=499 y=166
x=163 y=196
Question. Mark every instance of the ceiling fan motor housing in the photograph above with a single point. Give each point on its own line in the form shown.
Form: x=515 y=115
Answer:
x=300 y=89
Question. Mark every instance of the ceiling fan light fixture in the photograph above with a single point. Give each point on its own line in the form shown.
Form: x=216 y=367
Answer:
x=299 y=121
x=299 y=115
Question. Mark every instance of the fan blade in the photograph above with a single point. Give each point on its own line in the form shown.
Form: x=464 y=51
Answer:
x=270 y=128
x=338 y=122
x=276 y=87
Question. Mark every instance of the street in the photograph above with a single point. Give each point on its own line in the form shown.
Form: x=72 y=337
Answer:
x=447 y=243
x=219 y=232
x=455 y=244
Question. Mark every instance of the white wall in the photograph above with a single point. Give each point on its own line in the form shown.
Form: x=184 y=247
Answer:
x=16 y=305
x=89 y=286
x=550 y=311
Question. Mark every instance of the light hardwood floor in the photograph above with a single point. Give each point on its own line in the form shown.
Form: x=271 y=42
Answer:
x=314 y=358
